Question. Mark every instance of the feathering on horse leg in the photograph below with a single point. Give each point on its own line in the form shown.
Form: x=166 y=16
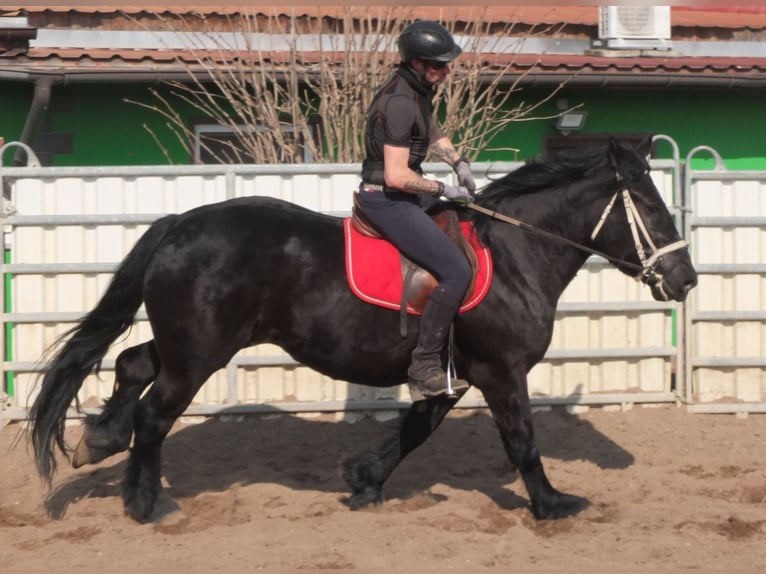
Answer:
x=153 y=418
x=366 y=473
x=546 y=502
x=110 y=431
x=512 y=414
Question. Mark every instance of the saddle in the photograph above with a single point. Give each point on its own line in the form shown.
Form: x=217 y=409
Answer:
x=418 y=282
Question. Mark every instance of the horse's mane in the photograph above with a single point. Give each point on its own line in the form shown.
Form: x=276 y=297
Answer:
x=563 y=168
x=535 y=175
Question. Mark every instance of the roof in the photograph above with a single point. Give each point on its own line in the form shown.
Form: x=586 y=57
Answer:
x=718 y=43
x=753 y=17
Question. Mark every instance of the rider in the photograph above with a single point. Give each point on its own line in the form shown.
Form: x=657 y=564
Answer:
x=394 y=195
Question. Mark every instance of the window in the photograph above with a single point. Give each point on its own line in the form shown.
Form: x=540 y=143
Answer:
x=217 y=143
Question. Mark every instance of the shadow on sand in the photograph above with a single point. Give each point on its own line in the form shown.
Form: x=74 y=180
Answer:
x=306 y=453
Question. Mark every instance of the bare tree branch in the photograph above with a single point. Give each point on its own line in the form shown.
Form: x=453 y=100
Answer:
x=269 y=81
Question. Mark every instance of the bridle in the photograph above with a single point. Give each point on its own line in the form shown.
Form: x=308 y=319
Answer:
x=646 y=273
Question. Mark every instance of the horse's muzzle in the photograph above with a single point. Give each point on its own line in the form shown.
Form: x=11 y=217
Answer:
x=673 y=287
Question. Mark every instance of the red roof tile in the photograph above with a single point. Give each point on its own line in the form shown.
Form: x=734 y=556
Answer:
x=753 y=17
x=527 y=14
x=593 y=67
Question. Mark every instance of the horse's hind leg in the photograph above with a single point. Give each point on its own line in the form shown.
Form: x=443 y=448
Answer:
x=365 y=473
x=153 y=418
x=109 y=432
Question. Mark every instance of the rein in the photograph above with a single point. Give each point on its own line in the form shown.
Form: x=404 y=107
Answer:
x=549 y=235
x=646 y=272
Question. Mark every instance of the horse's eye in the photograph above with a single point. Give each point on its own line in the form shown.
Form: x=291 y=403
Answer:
x=650 y=208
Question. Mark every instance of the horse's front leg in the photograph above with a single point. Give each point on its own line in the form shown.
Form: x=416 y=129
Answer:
x=512 y=413
x=365 y=473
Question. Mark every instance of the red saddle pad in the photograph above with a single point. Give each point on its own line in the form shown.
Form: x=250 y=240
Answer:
x=374 y=269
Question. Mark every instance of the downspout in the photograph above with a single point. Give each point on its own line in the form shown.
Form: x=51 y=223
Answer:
x=40 y=102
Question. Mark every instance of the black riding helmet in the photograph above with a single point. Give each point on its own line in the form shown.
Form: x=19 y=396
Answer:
x=429 y=41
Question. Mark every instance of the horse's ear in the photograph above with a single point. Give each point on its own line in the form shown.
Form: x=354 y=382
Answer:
x=615 y=152
x=644 y=149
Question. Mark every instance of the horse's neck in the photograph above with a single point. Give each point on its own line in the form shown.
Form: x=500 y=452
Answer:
x=553 y=262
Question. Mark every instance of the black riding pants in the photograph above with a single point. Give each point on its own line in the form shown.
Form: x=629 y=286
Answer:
x=402 y=219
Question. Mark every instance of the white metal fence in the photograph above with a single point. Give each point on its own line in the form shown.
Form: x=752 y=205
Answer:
x=66 y=229
x=726 y=313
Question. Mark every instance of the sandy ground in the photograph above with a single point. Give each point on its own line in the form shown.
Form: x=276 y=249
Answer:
x=668 y=489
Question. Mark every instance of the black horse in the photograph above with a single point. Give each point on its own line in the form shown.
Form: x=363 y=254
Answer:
x=252 y=270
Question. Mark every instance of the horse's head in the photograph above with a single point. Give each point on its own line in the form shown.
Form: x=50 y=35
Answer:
x=637 y=228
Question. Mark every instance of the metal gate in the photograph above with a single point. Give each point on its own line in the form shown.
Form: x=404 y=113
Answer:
x=66 y=229
x=726 y=313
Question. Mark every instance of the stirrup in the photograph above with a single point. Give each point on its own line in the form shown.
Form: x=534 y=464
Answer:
x=455 y=387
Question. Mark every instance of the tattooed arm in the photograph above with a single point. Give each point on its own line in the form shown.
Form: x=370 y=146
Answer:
x=398 y=174
x=441 y=146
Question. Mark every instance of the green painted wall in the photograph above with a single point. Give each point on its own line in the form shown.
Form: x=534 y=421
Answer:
x=106 y=129
x=728 y=120
x=109 y=131
x=14 y=104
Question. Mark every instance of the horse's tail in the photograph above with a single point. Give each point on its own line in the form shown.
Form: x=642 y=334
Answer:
x=85 y=345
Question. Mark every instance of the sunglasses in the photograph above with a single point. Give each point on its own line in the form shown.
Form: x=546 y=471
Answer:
x=435 y=65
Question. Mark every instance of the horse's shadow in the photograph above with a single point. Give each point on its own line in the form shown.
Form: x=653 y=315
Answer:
x=304 y=453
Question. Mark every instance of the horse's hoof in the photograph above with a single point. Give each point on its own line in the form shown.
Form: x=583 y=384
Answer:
x=145 y=510
x=81 y=454
x=362 y=473
x=173 y=521
x=364 y=498
x=167 y=511
x=564 y=505
x=84 y=454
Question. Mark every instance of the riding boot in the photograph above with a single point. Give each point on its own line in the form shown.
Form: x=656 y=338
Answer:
x=427 y=373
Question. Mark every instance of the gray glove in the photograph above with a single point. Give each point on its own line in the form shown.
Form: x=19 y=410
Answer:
x=457 y=194
x=465 y=175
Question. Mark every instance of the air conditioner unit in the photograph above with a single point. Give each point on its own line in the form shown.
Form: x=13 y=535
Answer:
x=627 y=24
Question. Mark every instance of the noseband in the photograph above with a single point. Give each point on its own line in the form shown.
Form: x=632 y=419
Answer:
x=648 y=273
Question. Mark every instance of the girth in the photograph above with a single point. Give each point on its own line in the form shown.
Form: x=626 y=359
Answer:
x=418 y=282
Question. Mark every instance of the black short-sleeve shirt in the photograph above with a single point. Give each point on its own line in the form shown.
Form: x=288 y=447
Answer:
x=399 y=115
